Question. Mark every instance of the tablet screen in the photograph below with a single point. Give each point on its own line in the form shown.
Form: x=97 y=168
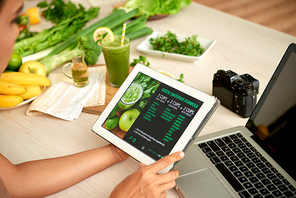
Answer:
x=151 y=116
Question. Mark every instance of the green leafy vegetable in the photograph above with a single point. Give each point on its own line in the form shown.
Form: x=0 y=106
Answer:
x=58 y=10
x=153 y=7
x=169 y=43
x=54 y=35
x=85 y=44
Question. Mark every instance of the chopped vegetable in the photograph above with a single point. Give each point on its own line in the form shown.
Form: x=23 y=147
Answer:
x=169 y=43
x=85 y=44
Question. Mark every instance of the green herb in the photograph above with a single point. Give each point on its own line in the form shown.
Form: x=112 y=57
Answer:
x=102 y=37
x=85 y=44
x=142 y=59
x=181 y=78
x=169 y=43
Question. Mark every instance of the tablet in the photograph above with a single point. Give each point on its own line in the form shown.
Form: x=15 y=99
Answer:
x=153 y=115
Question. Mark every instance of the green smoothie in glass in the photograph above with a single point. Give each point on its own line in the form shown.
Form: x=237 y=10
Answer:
x=117 y=59
x=131 y=96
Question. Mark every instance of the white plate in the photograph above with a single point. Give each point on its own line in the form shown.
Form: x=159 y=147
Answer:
x=23 y=103
x=146 y=47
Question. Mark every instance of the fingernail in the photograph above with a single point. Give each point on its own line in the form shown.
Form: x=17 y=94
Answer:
x=182 y=154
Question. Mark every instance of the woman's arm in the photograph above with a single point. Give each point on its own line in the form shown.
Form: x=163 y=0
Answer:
x=44 y=177
x=3 y=190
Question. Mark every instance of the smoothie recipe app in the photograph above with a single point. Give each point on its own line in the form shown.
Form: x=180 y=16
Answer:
x=152 y=116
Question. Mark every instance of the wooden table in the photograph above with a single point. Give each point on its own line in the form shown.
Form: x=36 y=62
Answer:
x=241 y=46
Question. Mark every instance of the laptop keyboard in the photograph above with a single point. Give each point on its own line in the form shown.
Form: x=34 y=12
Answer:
x=249 y=173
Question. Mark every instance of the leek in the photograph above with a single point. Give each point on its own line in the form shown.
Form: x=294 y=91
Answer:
x=139 y=33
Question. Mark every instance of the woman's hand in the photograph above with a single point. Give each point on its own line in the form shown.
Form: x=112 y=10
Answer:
x=145 y=182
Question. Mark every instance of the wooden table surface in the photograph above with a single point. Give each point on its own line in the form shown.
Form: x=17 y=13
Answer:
x=241 y=46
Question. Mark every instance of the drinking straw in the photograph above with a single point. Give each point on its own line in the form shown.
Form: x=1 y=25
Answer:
x=122 y=35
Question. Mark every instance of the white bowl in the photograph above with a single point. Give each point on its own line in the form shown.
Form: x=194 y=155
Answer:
x=146 y=47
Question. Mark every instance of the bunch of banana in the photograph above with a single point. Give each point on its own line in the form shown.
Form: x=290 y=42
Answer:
x=15 y=87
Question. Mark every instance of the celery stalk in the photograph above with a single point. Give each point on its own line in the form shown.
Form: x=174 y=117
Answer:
x=51 y=63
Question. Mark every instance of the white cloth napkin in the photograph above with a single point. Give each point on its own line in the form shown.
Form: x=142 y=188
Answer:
x=98 y=98
x=63 y=100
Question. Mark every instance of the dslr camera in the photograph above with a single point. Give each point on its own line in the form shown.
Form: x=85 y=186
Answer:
x=236 y=92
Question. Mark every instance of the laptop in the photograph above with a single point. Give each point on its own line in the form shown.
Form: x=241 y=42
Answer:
x=255 y=160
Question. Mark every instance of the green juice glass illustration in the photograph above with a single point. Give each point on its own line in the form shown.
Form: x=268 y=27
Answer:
x=131 y=96
x=116 y=59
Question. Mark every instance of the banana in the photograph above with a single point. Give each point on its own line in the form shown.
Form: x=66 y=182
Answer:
x=11 y=88
x=10 y=101
x=25 y=78
x=32 y=91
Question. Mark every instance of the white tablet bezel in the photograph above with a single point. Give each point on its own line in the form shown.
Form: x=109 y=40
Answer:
x=208 y=105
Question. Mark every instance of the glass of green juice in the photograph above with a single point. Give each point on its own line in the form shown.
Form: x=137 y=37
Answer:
x=116 y=59
x=131 y=96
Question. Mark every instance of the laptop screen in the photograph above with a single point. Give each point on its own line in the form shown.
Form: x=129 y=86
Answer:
x=273 y=121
